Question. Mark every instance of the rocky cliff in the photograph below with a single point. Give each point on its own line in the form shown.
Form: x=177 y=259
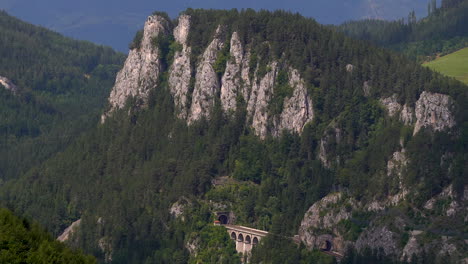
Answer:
x=180 y=72
x=338 y=222
x=206 y=80
x=235 y=81
x=196 y=86
x=142 y=68
x=432 y=111
x=9 y=85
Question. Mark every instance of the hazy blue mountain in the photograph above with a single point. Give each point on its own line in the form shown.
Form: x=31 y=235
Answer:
x=115 y=22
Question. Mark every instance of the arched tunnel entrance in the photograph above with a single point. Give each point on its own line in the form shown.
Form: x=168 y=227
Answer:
x=223 y=219
x=326 y=245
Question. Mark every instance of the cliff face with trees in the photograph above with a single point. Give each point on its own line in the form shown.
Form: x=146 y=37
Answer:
x=320 y=135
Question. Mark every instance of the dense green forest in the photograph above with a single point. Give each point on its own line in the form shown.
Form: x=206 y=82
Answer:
x=443 y=31
x=121 y=177
x=24 y=242
x=62 y=84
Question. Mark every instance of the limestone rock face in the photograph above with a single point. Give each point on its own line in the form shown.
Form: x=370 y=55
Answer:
x=260 y=96
x=411 y=248
x=407 y=115
x=235 y=80
x=178 y=208
x=141 y=69
x=193 y=245
x=324 y=215
x=433 y=111
x=404 y=112
x=379 y=237
x=314 y=217
x=69 y=231
x=297 y=110
x=105 y=245
x=391 y=104
x=206 y=80
x=396 y=166
x=180 y=70
x=329 y=141
x=9 y=85
x=455 y=207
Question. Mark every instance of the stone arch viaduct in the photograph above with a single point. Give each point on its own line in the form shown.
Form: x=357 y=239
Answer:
x=246 y=238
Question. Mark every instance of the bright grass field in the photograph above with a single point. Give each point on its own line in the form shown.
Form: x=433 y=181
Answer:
x=453 y=65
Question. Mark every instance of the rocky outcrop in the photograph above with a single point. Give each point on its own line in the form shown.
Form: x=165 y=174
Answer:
x=385 y=227
x=142 y=68
x=328 y=143
x=68 y=232
x=180 y=70
x=404 y=112
x=433 y=111
x=407 y=115
x=297 y=110
x=411 y=249
x=318 y=227
x=105 y=245
x=377 y=238
x=178 y=208
x=206 y=80
x=235 y=81
x=193 y=245
x=349 y=68
x=321 y=215
x=260 y=96
x=9 y=85
x=445 y=194
x=396 y=166
x=448 y=196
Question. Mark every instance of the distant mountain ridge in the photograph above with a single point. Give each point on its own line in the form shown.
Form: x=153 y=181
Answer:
x=443 y=31
x=113 y=22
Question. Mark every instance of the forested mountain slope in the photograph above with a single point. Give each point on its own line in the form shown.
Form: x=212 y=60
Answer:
x=320 y=135
x=60 y=88
x=444 y=31
x=25 y=242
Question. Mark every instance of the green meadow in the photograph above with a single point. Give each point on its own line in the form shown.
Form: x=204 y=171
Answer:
x=453 y=65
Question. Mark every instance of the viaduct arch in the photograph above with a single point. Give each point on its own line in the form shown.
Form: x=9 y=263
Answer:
x=245 y=237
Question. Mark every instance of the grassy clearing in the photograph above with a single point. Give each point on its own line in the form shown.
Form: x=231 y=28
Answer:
x=453 y=65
